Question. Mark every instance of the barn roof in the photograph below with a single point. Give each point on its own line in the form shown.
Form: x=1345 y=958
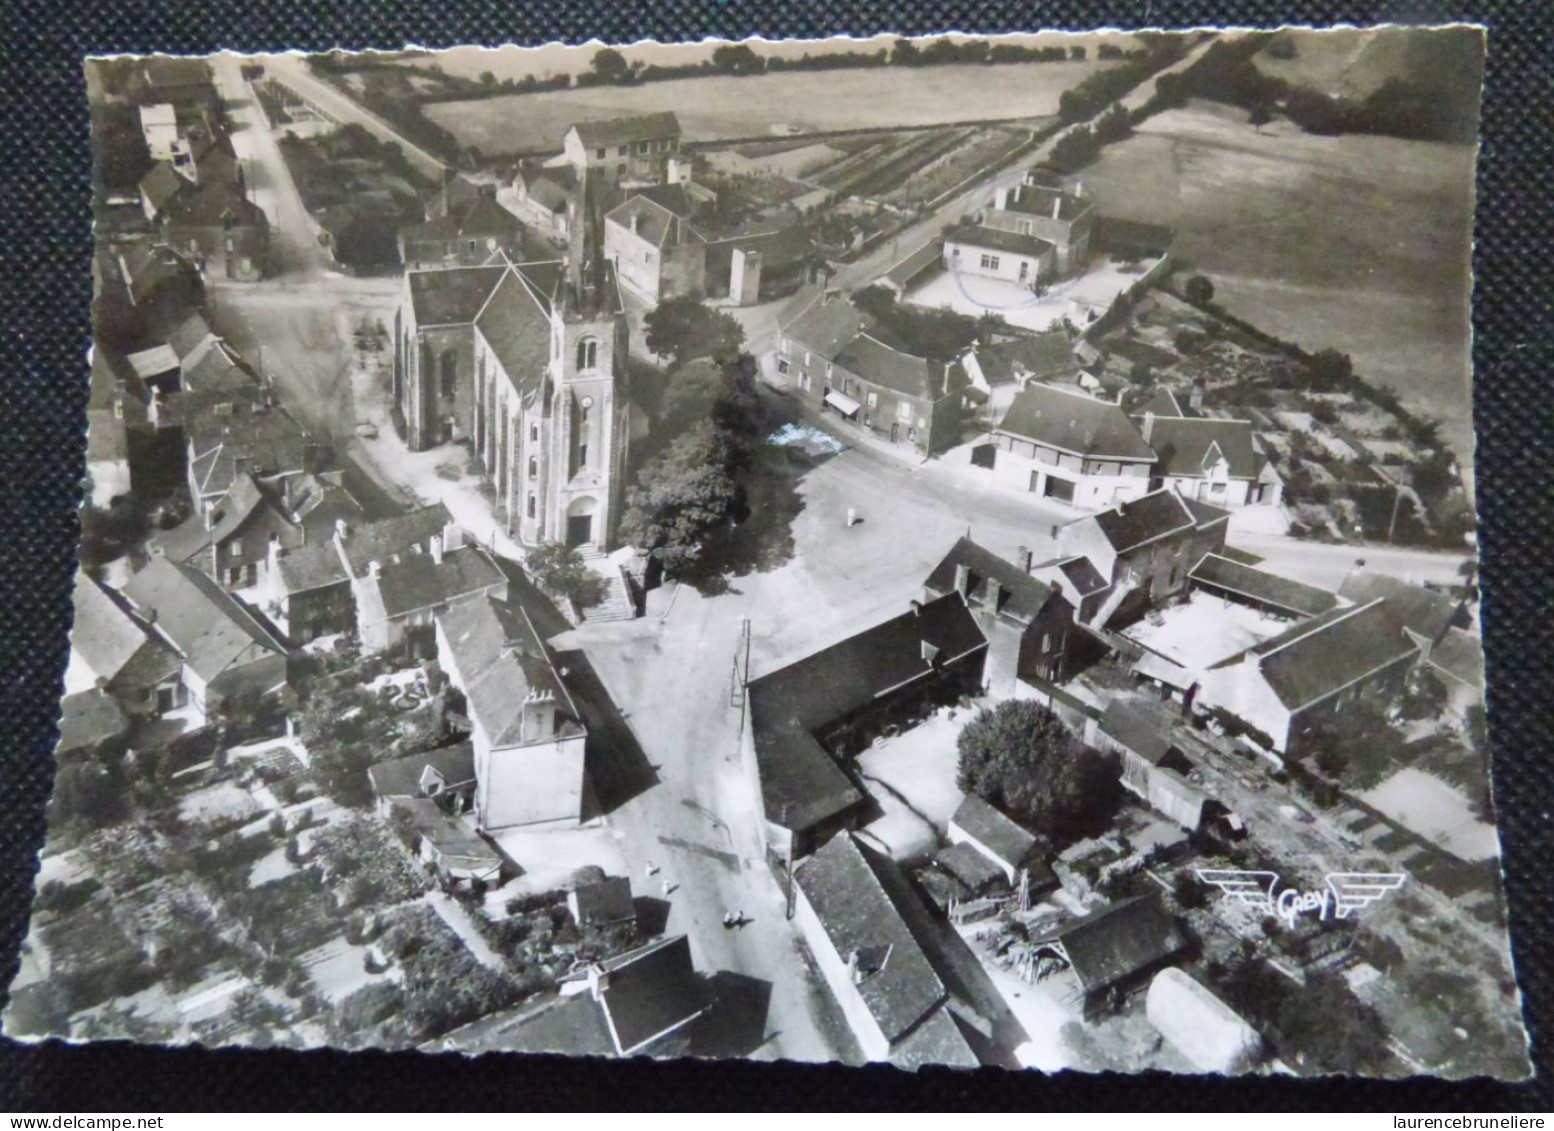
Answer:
x=1073 y=422
x=1114 y=942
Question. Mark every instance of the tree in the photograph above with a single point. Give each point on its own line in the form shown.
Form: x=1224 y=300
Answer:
x=1199 y=290
x=1328 y=371
x=1076 y=54
x=560 y=569
x=1020 y=758
x=610 y=65
x=683 y=328
x=905 y=54
x=681 y=496
x=737 y=59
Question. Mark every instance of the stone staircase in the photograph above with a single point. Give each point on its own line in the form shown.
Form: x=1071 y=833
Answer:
x=619 y=602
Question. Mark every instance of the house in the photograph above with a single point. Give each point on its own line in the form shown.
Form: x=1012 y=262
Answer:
x=1025 y=619
x=527 y=734
x=225 y=653
x=657 y=252
x=1041 y=211
x=1210 y=459
x=1269 y=593
x=308 y=589
x=143 y=290
x=159 y=126
x=1000 y=840
x=647 y=996
x=1154 y=769
x=1061 y=443
x=233 y=540
x=467 y=235
x=831 y=352
x=1110 y=949
x=840 y=698
x=603 y=903
x=183 y=80
x=1290 y=687
x=1426 y=615
x=208 y=216
x=108 y=469
x=91 y=722
x=1211 y=1035
x=912 y=270
x=409 y=590
x=527 y=363
x=445 y=776
x=894 y=1000
x=237 y=433
x=628 y=149
x=1000 y=370
x=995 y=253
x=1144 y=548
x=539 y=195
x=1079 y=581
x=1457 y=659
x=114 y=651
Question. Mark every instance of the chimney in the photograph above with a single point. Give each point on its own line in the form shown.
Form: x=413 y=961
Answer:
x=1023 y=557
x=1195 y=397
x=963 y=580
x=434 y=547
x=1057 y=206
x=917 y=608
x=1149 y=425
x=539 y=717
x=341 y=530
x=149 y=614
x=273 y=555
x=374 y=569
x=1001 y=199
x=994 y=592
x=636 y=221
x=452 y=537
x=930 y=653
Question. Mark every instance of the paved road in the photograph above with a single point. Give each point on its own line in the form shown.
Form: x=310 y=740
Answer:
x=1326 y=565
x=292 y=70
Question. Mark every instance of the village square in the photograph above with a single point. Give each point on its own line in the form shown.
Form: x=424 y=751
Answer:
x=620 y=558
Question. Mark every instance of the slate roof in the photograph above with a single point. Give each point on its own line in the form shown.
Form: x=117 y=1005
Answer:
x=418 y=581
x=914 y=266
x=1114 y=942
x=1313 y=660
x=548 y=187
x=1037 y=200
x=401 y=777
x=996 y=239
x=1163 y=403
x=1002 y=363
x=571 y=1026
x=517 y=329
x=879 y=364
x=104 y=635
x=161 y=185
x=937 y=1042
x=857 y=915
x=481 y=217
x=192 y=536
x=1130 y=237
x=1190 y=446
x=656 y=224
x=458 y=846
x=651 y=989
x=800 y=783
x=501 y=659
x=1460 y=655
x=972 y=870
x=1073 y=422
x=207 y=626
x=619 y=131
x=450 y=296
x=994 y=830
x=1021 y=596
x=1258 y=585
x=380 y=540
x=1425 y=612
x=263 y=438
x=825 y=325
x=88 y=718
x=1155 y=515
x=1140 y=726
x=608 y=901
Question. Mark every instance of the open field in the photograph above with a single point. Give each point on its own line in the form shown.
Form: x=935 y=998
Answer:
x=723 y=107
x=1355 y=242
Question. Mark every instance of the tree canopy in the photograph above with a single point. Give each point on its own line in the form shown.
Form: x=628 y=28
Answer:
x=684 y=328
x=610 y=65
x=682 y=495
x=560 y=569
x=1018 y=757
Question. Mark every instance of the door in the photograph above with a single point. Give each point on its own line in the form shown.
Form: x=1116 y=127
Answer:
x=1025 y=269
x=895 y=432
x=580 y=529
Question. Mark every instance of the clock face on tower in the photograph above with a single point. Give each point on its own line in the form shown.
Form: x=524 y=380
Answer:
x=587 y=402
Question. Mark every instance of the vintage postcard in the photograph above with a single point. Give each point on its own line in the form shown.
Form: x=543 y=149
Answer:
x=953 y=551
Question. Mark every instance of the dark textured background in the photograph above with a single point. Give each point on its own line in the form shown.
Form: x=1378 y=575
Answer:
x=44 y=296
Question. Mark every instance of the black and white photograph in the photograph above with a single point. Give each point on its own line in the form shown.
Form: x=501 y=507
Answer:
x=954 y=551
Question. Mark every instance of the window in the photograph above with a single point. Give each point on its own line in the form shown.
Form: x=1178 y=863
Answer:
x=874 y=400
x=582 y=455
x=534 y=468
x=534 y=433
x=904 y=411
x=806 y=359
x=623 y=150
x=531 y=506
x=1046 y=642
x=587 y=353
x=1025 y=227
x=782 y=365
x=599 y=153
x=450 y=372
x=989 y=262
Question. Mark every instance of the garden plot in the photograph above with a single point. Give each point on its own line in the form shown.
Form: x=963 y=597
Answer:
x=225 y=802
x=338 y=969
x=1429 y=807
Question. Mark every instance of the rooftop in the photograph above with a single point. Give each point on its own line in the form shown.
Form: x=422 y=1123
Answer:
x=1141 y=725
x=1132 y=524
x=639 y=127
x=1191 y=446
x=88 y=718
x=1266 y=589
x=1118 y=940
x=209 y=627
x=608 y=901
x=883 y=365
x=651 y=221
x=894 y=977
x=827 y=324
x=1039 y=355
x=995 y=831
x=1074 y=422
x=650 y=991
x=419 y=581
x=1039 y=200
x=996 y=239
x=1425 y=612
x=1020 y=595
x=453 y=766
x=449 y=296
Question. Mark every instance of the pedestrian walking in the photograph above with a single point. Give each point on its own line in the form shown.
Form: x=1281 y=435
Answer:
x=652 y=868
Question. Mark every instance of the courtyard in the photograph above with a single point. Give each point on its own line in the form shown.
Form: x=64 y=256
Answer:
x=1075 y=299
x=1203 y=629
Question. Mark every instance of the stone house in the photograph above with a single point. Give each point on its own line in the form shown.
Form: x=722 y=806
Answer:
x=1064 y=221
x=627 y=149
x=993 y=253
